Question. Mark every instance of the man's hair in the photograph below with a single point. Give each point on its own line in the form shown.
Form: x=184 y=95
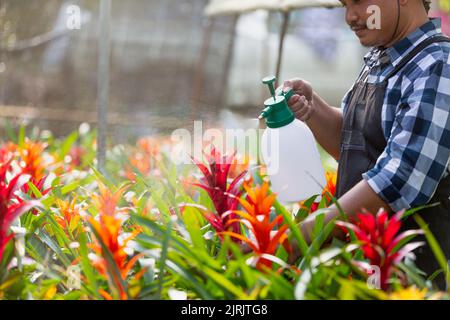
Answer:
x=427 y=4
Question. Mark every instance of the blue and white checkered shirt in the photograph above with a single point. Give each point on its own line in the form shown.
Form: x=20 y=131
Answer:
x=415 y=119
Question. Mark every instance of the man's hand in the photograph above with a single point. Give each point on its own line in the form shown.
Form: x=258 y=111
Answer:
x=300 y=87
x=324 y=121
x=359 y=197
x=301 y=102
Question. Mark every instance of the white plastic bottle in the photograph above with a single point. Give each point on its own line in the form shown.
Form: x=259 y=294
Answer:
x=289 y=150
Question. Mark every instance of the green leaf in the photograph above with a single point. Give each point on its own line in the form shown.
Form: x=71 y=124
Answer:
x=296 y=233
x=417 y=209
x=67 y=144
x=436 y=249
x=303 y=212
x=162 y=261
x=193 y=227
x=34 y=190
x=318 y=225
x=225 y=284
x=10 y=132
x=21 y=136
x=44 y=237
x=86 y=265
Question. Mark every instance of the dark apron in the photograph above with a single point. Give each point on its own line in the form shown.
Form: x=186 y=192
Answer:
x=363 y=142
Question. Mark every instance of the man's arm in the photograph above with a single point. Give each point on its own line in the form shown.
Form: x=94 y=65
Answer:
x=324 y=120
x=326 y=124
x=360 y=196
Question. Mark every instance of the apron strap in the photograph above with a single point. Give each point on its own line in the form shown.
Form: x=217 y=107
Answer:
x=416 y=51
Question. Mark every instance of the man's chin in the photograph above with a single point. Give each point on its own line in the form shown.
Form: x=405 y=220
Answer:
x=369 y=39
x=367 y=43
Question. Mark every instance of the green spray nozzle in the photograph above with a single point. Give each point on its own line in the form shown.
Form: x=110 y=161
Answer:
x=270 y=81
x=277 y=112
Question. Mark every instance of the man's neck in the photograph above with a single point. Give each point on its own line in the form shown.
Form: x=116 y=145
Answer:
x=407 y=27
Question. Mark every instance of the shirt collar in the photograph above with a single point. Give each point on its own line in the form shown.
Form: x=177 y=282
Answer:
x=404 y=46
x=381 y=56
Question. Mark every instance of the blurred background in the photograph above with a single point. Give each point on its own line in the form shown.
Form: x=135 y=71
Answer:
x=170 y=63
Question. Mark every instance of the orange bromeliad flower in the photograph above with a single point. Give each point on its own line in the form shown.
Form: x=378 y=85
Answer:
x=32 y=162
x=328 y=191
x=239 y=164
x=330 y=188
x=257 y=218
x=70 y=214
x=143 y=158
x=106 y=202
x=108 y=231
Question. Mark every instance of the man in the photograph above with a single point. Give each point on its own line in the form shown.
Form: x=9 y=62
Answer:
x=392 y=134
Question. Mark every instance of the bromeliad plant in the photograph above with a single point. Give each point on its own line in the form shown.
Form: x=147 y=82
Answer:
x=381 y=244
x=111 y=259
x=328 y=192
x=10 y=209
x=224 y=194
x=31 y=158
x=266 y=234
x=145 y=233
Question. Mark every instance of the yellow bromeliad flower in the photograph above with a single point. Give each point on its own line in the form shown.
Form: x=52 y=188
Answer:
x=410 y=293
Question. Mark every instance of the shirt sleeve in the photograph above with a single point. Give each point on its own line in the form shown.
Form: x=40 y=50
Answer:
x=416 y=157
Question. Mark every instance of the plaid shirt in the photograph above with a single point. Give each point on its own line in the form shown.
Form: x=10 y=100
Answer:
x=415 y=119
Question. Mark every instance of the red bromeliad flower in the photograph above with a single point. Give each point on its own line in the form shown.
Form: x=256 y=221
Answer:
x=257 y=218
x=76 y=156
x=7 y=152
x=224 y=196
x=380 y=243
x=9 y=210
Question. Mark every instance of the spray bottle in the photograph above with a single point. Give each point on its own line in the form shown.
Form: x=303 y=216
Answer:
x=289 y=150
